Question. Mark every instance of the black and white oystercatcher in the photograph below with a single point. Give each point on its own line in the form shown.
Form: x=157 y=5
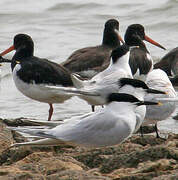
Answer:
x=140 y=59
x=31 y=74
x=89 y=61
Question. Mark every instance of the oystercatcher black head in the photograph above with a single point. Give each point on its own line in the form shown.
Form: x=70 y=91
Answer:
x=89 y=61
x=23 y=44
x=139 y=57
x=138 y=30
x=31 y=74
x=111 y=35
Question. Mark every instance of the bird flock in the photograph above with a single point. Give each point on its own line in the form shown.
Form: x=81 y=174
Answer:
x=118 y=75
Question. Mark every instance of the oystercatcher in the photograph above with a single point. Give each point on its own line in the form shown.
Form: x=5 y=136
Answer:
x=89 y=61
x=31 y=74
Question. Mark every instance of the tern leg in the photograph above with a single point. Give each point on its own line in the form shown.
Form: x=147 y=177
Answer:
x=50 y=112
x=156 y=129
x=93 y=108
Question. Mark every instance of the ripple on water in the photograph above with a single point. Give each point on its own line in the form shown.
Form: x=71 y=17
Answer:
x=77 y=6
x=60 y=27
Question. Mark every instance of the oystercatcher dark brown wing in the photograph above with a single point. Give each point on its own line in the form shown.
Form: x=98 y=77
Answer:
x=139 y=57
x=31 y=73
x=169 y=63
x=89 y=61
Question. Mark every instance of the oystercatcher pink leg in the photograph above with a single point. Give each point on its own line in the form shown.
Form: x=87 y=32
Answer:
x=50 y=112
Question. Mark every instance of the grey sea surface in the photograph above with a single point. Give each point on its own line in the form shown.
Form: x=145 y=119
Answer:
x=58 y=27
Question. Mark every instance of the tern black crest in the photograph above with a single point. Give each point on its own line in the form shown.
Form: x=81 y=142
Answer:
x=119 y=52
x=122 y=97
x=133 y=82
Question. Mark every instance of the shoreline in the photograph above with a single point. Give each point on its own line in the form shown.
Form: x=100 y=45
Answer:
x=137 y=158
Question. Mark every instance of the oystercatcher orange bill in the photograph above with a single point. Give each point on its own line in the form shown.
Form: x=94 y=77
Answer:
x=7 y=50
